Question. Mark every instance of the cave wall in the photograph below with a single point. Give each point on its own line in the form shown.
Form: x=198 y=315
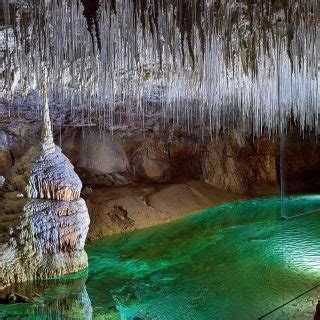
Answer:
x=229 y=162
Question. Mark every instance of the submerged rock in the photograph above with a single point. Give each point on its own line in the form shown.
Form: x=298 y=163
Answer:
x=44 y=222
x=13 y=298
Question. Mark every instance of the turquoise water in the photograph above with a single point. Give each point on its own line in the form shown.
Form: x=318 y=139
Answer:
x=236 y=261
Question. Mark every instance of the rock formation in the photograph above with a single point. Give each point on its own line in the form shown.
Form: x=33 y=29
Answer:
x=95 y=150
x=43 y=220
x=129 y=170
x=5 y=156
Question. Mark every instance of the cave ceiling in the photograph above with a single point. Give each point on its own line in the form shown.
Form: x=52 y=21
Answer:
x=220 y=64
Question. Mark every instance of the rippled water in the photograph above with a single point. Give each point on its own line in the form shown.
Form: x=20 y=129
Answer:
x=236 y=261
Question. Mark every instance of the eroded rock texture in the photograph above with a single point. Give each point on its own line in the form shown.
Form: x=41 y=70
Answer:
x=43 y=220
x=43 y=175
x=5 y=156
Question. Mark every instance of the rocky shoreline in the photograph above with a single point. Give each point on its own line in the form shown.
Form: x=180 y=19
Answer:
x=135 y=179
x=115 y=210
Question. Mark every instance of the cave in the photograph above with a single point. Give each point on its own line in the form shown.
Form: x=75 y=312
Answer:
x=159 y=159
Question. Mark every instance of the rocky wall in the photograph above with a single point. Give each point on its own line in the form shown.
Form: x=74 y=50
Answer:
x=229 y=162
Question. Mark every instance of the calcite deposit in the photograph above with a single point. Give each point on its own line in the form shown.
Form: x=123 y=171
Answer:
x=43 y=220
x=131 y=175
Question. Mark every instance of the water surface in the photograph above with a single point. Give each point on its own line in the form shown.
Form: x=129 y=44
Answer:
x=236 y=261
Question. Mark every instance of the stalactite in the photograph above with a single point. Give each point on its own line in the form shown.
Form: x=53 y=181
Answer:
x=192 y=62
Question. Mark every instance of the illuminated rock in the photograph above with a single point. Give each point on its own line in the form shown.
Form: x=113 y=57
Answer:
x=43 y=223
x=44 y=172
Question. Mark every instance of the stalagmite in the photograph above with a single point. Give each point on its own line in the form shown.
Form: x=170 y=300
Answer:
x=46 y=134
x=44 y=222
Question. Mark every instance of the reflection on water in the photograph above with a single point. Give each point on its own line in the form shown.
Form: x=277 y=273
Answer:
x=236 y=261
x=64 y=298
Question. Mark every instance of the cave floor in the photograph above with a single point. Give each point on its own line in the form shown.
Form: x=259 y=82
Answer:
x=115 y=210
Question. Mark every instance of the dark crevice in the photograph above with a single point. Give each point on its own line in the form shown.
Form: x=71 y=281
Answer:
x=92 y=14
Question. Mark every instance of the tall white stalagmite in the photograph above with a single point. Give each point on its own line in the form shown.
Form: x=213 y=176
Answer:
x=46 y=133
x=48 y=225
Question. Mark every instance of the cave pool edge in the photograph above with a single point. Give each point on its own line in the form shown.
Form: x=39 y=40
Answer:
x=234 y=260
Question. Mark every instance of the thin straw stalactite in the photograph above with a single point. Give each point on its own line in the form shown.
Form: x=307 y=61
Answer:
x=193 y=63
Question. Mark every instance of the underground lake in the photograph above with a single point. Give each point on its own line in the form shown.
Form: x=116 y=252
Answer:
x=234 y=261
x=159 y=159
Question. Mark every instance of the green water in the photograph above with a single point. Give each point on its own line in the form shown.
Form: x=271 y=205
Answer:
x=236 y=261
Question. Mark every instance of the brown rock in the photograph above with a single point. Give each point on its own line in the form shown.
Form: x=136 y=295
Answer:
x=95 y=150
